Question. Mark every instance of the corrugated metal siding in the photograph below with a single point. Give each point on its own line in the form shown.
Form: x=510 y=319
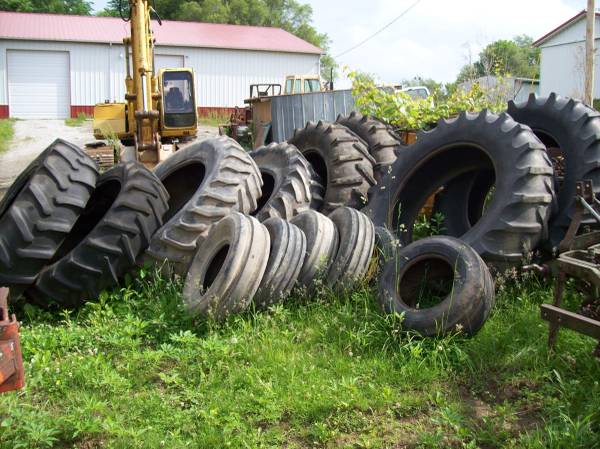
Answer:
x=223 y=76
x=290 y=112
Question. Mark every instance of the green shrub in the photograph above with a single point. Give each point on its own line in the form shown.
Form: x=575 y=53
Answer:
x=406 y=113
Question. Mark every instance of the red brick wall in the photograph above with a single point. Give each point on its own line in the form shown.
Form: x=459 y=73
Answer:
x=203 y=111
x=87 y=110
x=207 y=111
x=3 y=111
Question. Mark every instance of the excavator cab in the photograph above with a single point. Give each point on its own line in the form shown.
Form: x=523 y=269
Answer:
x=178 y=112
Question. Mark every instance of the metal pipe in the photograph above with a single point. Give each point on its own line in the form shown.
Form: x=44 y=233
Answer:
x=590 y=209
x=144 y=96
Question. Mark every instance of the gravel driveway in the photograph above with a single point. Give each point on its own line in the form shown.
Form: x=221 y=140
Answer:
x=31 y=138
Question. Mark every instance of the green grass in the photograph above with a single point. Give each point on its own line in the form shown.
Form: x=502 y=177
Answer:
x=213 y=120
x=80 y=120
x=7 y=131
x=132 y=371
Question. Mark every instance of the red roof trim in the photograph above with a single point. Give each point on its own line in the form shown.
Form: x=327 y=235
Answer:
x=67 y=28
x=563 y=25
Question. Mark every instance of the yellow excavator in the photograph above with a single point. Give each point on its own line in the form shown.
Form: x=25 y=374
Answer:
x=159 y=108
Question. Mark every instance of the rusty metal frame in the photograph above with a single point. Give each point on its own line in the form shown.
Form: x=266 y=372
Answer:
x=11 y=360
x=579 y=257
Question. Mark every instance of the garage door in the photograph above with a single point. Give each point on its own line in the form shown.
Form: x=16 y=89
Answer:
x=168 y=62
x=38 y=84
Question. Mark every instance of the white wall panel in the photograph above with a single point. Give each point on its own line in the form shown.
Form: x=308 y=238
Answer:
x=223 y=76
x=36 y=94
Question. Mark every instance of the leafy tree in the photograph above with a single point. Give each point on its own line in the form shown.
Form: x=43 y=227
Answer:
x=290 y=15
x=80 y=7
x=516 y=57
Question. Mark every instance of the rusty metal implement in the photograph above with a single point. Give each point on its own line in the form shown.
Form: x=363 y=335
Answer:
x=579 y=258
x=11 y=361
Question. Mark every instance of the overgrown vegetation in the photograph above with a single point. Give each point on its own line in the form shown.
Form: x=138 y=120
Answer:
x=131 y=370
x=78 y=121
x=7 y=131
x=213 y=119
x=516 y=57
x=407 y=113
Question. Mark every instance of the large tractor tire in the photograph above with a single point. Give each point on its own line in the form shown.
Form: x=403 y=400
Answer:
x=356 y=242
x=206 y=182
x=571 y=132
x=321 y=246
x=444 y=268
x=516 y=216
x=341 y=160
x=380 y=141
x=228 y=267
x=288 y=248
x=40 y=209
x=286 y=176
x=127 y=206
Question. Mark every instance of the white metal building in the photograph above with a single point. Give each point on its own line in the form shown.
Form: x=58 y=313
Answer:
x=562 y=65
x=55 y=66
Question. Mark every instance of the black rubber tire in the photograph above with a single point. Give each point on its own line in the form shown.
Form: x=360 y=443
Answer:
x=341 y=160
x=465 y=309
x=317 y=190
x=116 y=227
x=461 y=202
x=206 y=181
x=286 y=256
x=356 y=235
x=574 y=128
x=321 y=246
x=517 y=216
x=286 y=179
x=232 y=261
x=381 y=143
x=40 y=209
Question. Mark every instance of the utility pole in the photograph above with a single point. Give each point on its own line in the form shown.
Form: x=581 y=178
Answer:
x=589 y=53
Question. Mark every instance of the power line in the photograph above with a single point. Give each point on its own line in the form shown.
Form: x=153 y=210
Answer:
x=379 y=30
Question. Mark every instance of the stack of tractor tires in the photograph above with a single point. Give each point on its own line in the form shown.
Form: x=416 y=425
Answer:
x=67 y=233
x=335 y=204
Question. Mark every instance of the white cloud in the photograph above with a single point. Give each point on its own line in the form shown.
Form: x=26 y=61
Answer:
x=434 y=38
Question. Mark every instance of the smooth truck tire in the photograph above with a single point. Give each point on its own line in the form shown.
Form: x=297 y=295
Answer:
x=341 y=160
x=286 y=179
x=356 y=235
x=380 y=141
x=321 y=246
x=228 y=268
x=40 y=209
x=516 y=217
x=206 y=182
x=573 y=128
x=462 y=279
x=286 y=256
x=116 y=227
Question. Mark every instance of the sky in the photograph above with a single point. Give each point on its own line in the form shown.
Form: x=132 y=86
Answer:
x=434 y=39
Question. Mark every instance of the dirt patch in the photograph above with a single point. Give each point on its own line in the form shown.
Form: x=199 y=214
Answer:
x=31 y=138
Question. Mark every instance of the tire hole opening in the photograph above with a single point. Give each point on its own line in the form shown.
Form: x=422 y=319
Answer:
x=214 y=267
x=318 y=164
x=267 y=191
x=445 y=165
x=97 y=207
x=556 y=155
x=426 y=283
x=181 y=185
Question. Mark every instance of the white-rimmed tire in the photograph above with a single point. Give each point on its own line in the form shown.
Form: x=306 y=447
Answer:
x=228 y=267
